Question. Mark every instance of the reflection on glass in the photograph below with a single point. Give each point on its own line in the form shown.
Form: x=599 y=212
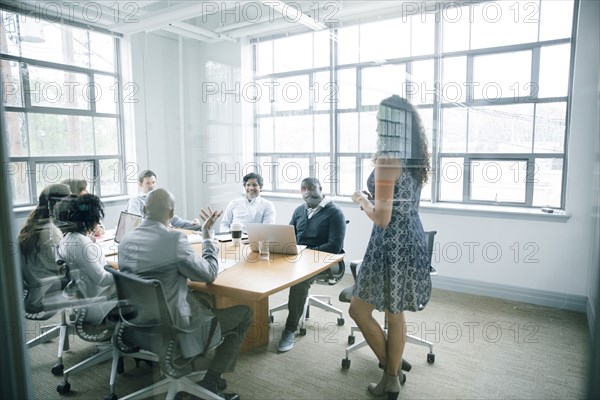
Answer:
x=451 y=178
x=501 y=129
x=554 y=70
x=550 y=127
x=548 y=182
x=498 y=181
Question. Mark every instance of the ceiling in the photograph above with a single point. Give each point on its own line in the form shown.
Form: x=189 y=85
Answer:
x=216 y=21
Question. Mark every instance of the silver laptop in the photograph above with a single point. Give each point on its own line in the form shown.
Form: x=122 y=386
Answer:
x=127 y=223
x=281 y=238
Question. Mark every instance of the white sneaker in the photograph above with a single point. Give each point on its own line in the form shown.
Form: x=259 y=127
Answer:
x=287 y=341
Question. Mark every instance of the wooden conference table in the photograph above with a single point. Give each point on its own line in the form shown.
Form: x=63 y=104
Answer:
x=250 y=281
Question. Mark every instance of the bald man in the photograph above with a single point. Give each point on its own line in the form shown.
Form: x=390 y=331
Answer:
x=153 y=251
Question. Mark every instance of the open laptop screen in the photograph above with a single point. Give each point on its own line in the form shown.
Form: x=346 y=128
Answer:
x=127 y=222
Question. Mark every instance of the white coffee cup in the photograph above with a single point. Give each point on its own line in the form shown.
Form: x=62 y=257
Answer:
x=236 y=232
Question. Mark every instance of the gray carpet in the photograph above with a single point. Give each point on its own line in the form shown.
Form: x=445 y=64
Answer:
x=484 y=348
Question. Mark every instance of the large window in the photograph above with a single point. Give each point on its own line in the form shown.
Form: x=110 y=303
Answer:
x=491 y=81
x=61 y=92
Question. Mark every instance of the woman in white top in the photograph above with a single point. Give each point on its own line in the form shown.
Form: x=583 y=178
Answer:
x=38 y=240
x=84 y=257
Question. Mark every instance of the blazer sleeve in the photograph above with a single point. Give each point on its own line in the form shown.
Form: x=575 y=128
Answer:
x=198 y=268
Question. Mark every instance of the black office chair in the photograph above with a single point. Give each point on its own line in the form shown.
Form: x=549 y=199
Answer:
x=346 y=297
x=146 y=323
x=331 y=276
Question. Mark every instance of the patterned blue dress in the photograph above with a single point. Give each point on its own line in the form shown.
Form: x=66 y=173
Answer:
x=394 y=275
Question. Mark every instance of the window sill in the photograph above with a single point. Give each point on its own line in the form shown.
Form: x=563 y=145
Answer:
x=25 y=210
x=473 y=210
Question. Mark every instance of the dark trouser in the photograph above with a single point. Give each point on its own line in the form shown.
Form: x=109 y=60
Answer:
x=234 y=323
x=296 y=300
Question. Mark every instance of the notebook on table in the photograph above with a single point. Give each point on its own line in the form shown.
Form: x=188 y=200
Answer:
x=281 y=238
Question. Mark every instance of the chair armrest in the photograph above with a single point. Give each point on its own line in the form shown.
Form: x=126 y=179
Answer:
x=354 y=267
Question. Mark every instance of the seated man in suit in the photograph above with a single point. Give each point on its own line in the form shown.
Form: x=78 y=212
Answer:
x=153 y=251
x=135 y=205
x=251 y=208
x=320 y=225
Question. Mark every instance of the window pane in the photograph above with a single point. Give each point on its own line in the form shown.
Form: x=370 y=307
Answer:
x=498 y=23
x=421 y=87
x=9 y=30
x=292 y=93
x=105 y=94
x=264 y=57
x=454 y=130
x=110 y=177
x=49 y=87
x=294 y=134
x=16 y=131
x=346 y=95
x=454 y=76
x=348 y=132
x=426 y=115
x=11 y=83
x=48 y=173
x=501 y=75
x=291 y=171
x=293 y=53
x=347 y=48
x=501 y=129
x=554 y=70
x=379 y=83
x=265 y=93
x=547 y=184
x=367 y=168
x=324 y=91
x=347 y=175
x=368 y=132
x=423 y=34
x=325 y=171
x=62 y=43
x=265 y=135
x=556 y=19
x=322 y=133
x=550 y=127
x=321 y=48
x=373 y=48
x=60 y=135
x=102 y=51
x=107 y=136
x=266 y=171
x=455 y=25
x=18 y=174
x=451 y=179
x=498 y=181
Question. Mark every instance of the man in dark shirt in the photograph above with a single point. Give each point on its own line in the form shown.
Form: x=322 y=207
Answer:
x=320 y=225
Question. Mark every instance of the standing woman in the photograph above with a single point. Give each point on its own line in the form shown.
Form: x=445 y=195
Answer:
x=394 y=275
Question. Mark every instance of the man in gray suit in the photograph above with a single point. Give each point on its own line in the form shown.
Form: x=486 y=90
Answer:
x=154 y=251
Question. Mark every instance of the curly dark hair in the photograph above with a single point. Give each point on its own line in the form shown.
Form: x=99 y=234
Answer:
x=82 y=213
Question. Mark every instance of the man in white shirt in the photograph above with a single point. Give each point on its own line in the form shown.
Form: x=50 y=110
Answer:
x=251 y=208
x=146 y=183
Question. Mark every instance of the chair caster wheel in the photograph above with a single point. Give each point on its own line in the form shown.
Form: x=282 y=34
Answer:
x=111 y=396
x=302 y=331
x=341 y=321
x=63 y=387
x=346 y=363
x=430 y=358
x=58 y=369
x=351 y=339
